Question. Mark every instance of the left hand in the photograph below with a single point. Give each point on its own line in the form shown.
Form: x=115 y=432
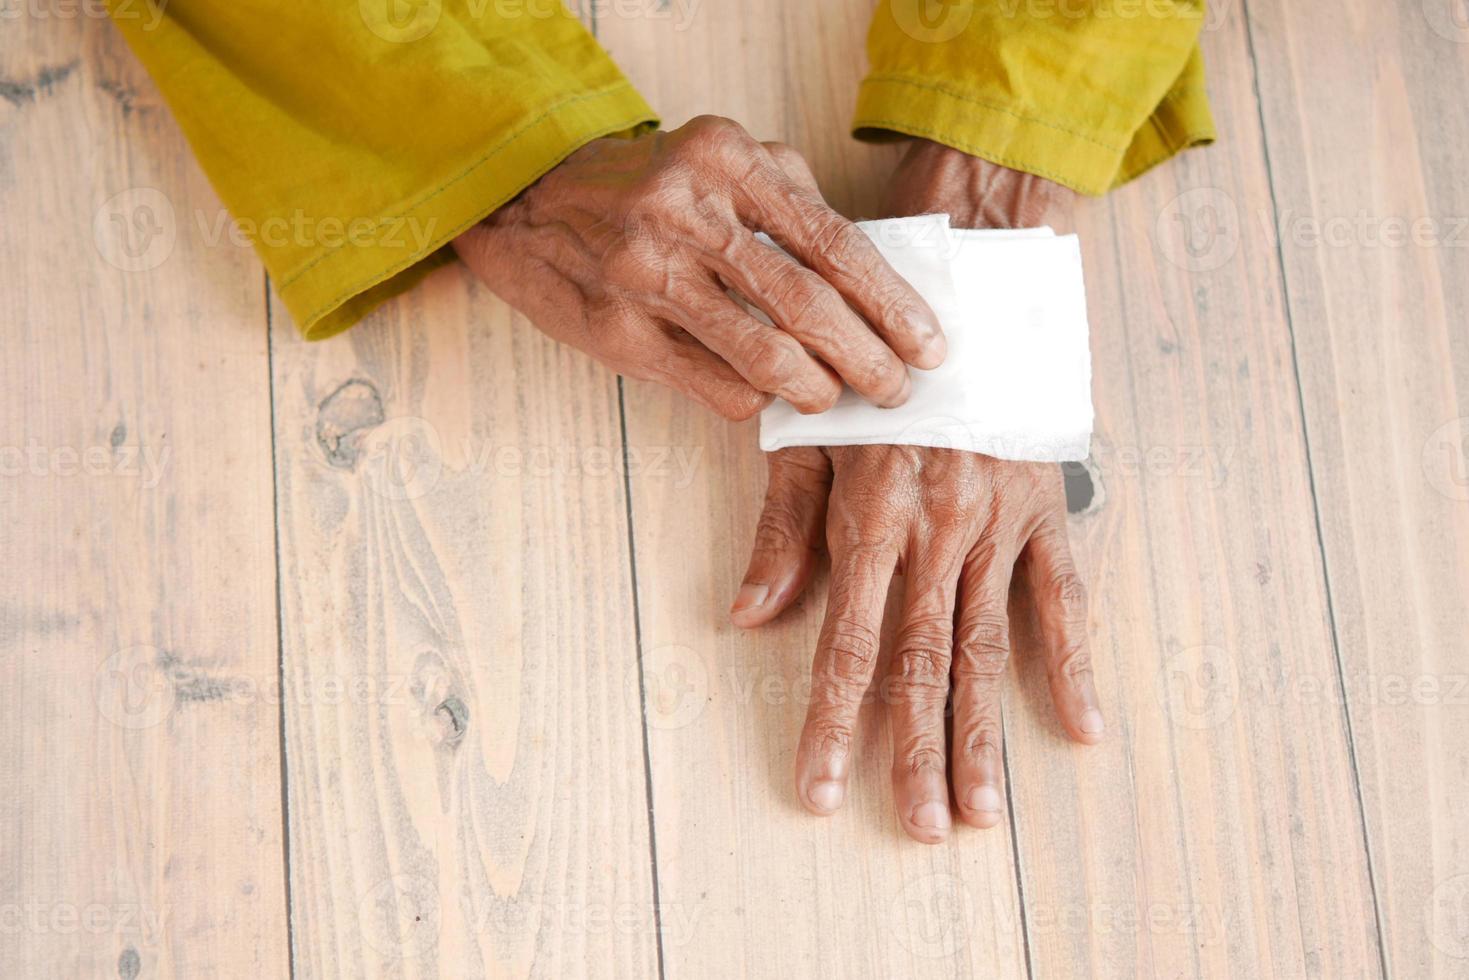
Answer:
x=955 y=524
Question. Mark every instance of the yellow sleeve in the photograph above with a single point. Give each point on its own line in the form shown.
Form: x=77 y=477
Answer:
x=1087 y=93
x=351 y=140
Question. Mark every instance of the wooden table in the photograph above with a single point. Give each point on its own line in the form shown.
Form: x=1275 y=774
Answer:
x=405 y=654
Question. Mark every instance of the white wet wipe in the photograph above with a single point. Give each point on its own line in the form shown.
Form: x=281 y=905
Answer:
x=1016 y=383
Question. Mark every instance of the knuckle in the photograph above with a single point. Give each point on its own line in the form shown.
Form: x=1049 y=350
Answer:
x=882 y=377
x=922 y=666
x=823 y=398
x=1072 y=662
x=893 y=303
x=796 y=294
x=767 y=360
x=978 y=741
x=852 y=647
x=716 y=135
x=778 y=529
x=923 y=645
x=739 y=405
x=920 y=756
x=985 y=644
x=920 y=675
x=1067 y=589
x=825 y=735
x=836 y=239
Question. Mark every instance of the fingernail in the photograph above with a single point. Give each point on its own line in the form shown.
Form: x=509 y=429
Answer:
x=751 y=594
x=936 y=347
x=933 y=345
x=985 y=799
x=931 y=816
x=1091 y=722
x=826 y=794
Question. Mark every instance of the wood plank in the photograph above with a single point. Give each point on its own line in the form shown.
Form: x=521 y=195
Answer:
x=772 y=891
x=140 y=779
x=454 y=551
x=1364 y=113
x=1216 y=832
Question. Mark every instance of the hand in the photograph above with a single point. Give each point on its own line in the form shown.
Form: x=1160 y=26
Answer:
x=626 y=248
x=934 y=178
x=956 y=525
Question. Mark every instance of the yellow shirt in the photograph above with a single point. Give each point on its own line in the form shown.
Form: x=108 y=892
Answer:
x=351 y=140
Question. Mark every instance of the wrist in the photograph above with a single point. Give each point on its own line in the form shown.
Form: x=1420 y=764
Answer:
x=975 y=192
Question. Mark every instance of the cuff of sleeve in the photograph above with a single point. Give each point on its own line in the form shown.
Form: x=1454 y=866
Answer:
x=1181 y=121
x=891 y=105
x=1053 y=149
x=340 y=284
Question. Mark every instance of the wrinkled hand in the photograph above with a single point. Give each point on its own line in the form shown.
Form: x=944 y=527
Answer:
x=934 y=178
x=626 y=248
x=957 y=525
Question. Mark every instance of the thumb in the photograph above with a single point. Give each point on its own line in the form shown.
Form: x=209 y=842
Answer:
x=788 y=538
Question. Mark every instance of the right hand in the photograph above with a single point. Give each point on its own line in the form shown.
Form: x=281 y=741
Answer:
x=625 y=250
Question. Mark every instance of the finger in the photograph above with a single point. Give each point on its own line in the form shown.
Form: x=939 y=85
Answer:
x=918 y=688
x=788 y=538
x=1060 y=600
x=695 y=371
x=629 y=341
x=846 y=654
x=838 y=251
x=769 y=359
x=981 y=651
x=809 y=310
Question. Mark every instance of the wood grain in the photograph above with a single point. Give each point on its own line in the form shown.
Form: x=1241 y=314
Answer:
x=454 y=555
x=771 y=891
x=1217 y=832
x=140 y=803
x=1372 y=220
x=476 y=647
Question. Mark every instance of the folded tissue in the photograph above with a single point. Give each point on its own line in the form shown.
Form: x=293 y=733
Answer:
x=1016 y=383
